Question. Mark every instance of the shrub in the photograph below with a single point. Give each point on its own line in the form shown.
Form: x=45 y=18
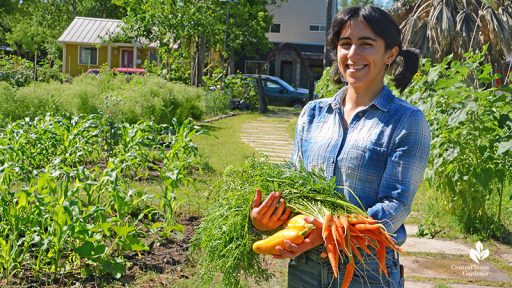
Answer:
x=471 y=151
x=127 y=99
x=325 y=87
x=15 y=70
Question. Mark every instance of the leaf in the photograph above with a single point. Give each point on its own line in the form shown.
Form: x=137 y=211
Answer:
x=90 y=250
x=479 y=247
x=122 y=231
x=474 y=255
x=135 y=244
x=115 y=268
x=484 y=254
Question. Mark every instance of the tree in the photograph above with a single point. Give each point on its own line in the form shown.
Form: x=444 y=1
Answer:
x=442 y=27
x=34 y=26
x=186 y=29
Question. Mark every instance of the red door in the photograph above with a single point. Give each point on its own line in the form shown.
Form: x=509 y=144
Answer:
x=127 y=58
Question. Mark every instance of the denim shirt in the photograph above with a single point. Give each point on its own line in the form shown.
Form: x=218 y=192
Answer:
x=381 y=156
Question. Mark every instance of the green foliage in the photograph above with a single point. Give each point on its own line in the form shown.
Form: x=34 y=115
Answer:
x=126 y=99
x=67 y=199
x=219 y=96
x=471 y=154
x=325 y=87
x=225 y=236
x=182 y=23
x=239 y=87
x=15 y=70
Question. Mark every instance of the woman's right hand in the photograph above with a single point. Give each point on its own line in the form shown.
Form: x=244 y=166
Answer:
x=270 y=214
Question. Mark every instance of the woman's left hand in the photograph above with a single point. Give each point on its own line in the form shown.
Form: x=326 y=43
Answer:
x=314 y=239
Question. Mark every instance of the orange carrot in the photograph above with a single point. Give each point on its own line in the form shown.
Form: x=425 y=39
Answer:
x=381 y=257
x=356 y=219
x=355 y=251
x=340 y=234
x=330 y=245
x=362 y=242
x=365 y=227
x=349 y=273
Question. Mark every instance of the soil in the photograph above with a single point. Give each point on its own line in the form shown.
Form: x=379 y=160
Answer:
x=166 y=259
x=169 y=257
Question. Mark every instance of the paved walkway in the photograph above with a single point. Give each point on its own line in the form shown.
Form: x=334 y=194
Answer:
x=428 y=262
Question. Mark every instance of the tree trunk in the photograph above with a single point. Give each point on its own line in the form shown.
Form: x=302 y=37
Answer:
x=231 y=64
x=35 y=66
x=328 y=20
x=201 y=57
x=73 y=8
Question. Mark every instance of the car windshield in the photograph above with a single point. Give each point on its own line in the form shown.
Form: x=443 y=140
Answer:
x=285 y=85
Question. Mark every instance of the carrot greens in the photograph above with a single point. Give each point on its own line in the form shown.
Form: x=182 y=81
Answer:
x=224 y=238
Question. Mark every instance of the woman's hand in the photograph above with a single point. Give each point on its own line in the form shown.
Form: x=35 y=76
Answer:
x=314 y=239
x=270 y=214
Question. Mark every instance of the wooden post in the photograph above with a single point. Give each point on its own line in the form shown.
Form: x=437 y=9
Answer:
x=263 y=100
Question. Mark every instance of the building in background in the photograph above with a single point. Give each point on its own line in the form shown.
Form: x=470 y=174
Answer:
x=298 y=35
x=85 y=46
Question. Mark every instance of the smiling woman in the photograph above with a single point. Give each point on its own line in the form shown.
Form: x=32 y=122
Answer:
x=370 y=141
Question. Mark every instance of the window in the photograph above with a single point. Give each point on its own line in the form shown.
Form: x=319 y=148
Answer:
x=256 y=67
x=275 y=28
x=153 y=56
x=88 y=56
x=271 y=85
x=317 y=28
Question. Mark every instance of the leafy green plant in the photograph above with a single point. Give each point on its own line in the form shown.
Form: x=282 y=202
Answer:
x=67 y=198
x=325 y=87
x=471 y=152
x=225 y=236
x=147 y=98
x=15 y=70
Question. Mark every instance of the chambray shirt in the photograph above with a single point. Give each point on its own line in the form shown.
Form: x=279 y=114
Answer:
x=381 y=156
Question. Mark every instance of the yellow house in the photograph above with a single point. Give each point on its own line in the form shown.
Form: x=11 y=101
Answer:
x=85 y=46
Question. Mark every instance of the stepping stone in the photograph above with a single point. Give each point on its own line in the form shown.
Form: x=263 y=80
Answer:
x=453 y=268
x=414 y=284
x=414 y=244
x=270 y=138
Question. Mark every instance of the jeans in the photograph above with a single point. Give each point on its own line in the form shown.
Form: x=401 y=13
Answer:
x=311 y=270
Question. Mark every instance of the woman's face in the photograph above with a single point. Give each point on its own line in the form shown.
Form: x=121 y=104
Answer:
x=362 y=57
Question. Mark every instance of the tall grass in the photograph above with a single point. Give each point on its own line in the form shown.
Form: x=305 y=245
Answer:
x=125 y=99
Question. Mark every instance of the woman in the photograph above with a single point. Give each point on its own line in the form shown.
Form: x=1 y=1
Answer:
x=373 y=143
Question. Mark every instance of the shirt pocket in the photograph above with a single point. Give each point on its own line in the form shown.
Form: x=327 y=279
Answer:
x=369 y=160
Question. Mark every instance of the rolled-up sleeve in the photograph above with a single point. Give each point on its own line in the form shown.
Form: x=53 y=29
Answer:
x=404 y=171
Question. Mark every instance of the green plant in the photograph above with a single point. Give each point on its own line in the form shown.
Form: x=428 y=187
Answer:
x=225 y=235
x=471 y=152
x=67 y=198
x=325 y=87
x=147 y=98
x=15 y=70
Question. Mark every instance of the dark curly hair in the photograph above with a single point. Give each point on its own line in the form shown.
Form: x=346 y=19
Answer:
x=384 y=26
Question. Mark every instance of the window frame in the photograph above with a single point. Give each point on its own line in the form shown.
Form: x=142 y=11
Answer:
x=275 y=25
x=88 y=64
x=320 y=27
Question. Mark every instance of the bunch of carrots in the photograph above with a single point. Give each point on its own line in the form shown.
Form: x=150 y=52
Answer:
x=346 y=233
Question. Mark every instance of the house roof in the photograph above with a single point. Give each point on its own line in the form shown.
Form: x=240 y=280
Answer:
x=90 y=30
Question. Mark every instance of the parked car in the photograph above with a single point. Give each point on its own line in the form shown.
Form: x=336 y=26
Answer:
x=280 y=93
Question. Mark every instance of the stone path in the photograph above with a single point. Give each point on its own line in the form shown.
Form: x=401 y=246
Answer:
x=269 y=137
x=430 y=262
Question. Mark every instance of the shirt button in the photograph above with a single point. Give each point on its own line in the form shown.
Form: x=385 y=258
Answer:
x=332 y=160
x=361 y=114
x=323 y=255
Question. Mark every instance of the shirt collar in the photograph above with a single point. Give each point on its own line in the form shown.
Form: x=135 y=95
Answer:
x=383 y=100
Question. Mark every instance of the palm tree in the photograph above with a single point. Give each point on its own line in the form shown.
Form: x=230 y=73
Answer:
x=441 y=27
